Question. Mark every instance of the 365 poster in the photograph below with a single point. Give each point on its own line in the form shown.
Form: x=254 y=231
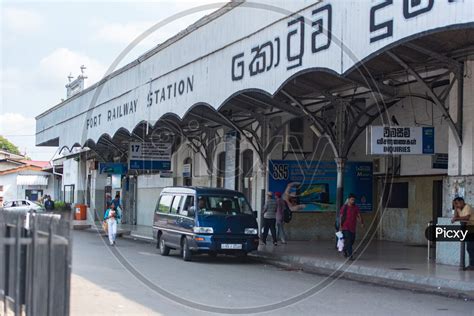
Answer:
x=312 y=185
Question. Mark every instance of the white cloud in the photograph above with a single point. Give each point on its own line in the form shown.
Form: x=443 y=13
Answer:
x=55 y=67
x=20 y=130
x=15 y=124
x=9 y=79
x=20 y=20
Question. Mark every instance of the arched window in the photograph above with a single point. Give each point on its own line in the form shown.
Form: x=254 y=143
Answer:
x=221 y=170
x=188 y=172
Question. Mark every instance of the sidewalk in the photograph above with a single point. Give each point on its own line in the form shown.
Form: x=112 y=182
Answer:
x=384 y=263
x=139 y=232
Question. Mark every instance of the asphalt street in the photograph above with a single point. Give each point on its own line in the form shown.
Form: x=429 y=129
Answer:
x=133 y=279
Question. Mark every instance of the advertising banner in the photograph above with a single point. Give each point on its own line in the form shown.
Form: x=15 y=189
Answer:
x=112 y=167
x=311 y=185
x=150 y=156
x=385 y=140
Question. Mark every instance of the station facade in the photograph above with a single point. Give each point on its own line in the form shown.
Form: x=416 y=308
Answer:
x=288 y=96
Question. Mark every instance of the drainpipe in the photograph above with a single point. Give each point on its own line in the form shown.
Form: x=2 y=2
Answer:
x=459 y=127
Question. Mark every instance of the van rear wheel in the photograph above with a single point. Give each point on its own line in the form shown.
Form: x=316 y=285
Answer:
x=164 y=250
x=185 y=251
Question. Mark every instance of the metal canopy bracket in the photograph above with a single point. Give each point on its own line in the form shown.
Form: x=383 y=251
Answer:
x=436 y=99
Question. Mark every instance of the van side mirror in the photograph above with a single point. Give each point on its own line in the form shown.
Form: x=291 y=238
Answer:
x=255 y=214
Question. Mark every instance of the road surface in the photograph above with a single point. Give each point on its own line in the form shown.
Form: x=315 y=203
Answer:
x=133 y=279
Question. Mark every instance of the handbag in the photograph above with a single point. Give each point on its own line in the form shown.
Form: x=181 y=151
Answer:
x=105 y=226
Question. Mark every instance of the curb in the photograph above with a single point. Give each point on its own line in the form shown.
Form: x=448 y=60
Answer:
x=133 y=236
x=382 y=277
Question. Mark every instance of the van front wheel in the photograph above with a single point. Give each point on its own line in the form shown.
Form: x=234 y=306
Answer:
x=185 y=251
x=164 y=250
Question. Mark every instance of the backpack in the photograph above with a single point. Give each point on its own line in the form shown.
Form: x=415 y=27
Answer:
x=287 y=214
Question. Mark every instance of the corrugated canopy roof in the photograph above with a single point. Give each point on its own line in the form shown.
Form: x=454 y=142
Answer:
x=23 y=179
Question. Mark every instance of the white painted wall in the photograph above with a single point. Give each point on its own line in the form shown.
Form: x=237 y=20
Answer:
x=465 y=156
x=12 y=191
x=148 y=190
x=71 y=174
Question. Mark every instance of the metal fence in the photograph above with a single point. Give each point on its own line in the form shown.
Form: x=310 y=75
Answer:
x=35 y=264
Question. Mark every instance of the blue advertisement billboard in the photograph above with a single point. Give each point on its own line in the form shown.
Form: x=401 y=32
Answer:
x=112 y=168
x=311 y=185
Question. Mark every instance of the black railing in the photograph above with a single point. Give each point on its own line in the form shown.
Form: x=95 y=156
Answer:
x=35 y=263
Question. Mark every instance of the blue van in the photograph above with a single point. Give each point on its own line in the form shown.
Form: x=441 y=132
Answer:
x=204 y=220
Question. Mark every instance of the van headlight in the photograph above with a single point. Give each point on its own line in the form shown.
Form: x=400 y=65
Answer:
x=251 y=231
x=203 y=230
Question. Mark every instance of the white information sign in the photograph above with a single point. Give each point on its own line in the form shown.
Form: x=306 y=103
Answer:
x=398 y=140
x=150 y=156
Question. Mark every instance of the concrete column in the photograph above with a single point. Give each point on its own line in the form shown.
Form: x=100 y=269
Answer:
x=232 y=156
x=461 y=160
x=98 y=183
x=81 y=181
x=340 y=163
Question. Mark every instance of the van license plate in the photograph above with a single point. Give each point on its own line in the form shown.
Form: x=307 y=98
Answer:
x=231 y=246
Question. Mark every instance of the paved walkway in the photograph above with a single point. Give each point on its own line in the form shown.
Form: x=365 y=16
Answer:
x=382 y=262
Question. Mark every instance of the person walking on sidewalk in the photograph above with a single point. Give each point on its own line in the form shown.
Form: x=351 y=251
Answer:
x=269 y=219
x=463 y=213
x=111 y=217
x=349 y=214
x=118 y=207
x=280 y=218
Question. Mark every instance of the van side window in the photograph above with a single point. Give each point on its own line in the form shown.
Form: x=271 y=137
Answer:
x=164 y=204
x=188 y=203
x=175 y=208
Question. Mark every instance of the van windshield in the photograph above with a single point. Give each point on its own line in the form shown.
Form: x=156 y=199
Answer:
x=223 y=205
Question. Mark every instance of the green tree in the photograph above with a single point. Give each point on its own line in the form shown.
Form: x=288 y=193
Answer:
x=5 y=144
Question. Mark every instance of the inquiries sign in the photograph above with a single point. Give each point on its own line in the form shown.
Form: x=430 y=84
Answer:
x=387 y=140
x=150 y=156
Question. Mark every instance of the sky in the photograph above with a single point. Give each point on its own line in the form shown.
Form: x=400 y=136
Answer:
x=42 y=42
